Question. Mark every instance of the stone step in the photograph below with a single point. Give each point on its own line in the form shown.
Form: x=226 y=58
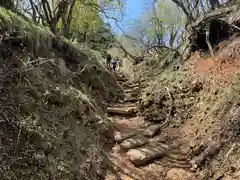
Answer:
x=128 y=85
x=152 y=130
x=122 y=105
x=134 y=85
x=121 y=79
x=134 y=142
x=135 y=89
x=179 y=174
x=122 y=110
x=144 y=155
x=132 y=94
x=130 y=99
x=121 y=136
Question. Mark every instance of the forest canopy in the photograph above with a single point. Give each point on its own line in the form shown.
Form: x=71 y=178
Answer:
x=163 y=24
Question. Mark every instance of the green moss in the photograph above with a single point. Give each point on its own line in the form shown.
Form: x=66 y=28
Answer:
x=26 y=28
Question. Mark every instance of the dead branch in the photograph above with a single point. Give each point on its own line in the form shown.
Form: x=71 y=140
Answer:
x=230 y=151
x=218 y=13
x=83 y=69
x=18 y=138
x=212 y=149
x=236 y=27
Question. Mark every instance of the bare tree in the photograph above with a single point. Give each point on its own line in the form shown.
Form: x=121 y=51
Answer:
x=42 y=11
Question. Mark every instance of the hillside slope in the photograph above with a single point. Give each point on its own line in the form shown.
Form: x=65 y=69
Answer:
x=197 y=105
x=52 y=98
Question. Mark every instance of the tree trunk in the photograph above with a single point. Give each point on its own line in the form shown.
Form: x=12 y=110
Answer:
x=214 y=4
x=207 y=39
x=8 y=4
x=184 y=9
x=33 y=11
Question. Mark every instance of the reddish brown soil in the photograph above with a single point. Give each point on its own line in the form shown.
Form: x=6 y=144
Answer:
x=213 y=73
x=122 y=169
x=212 y=69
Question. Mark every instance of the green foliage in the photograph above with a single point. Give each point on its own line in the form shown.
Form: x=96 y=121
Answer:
x=167 y=22
x=160 y=26
x=87 y=25
x=76 y=20
x=85 y=17
x=169 y=14
x=13 y=22
x=130 y=45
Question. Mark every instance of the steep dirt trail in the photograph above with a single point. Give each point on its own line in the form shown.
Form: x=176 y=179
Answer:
x=140 y=151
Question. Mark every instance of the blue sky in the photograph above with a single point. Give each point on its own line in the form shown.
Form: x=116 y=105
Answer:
x=133 y=9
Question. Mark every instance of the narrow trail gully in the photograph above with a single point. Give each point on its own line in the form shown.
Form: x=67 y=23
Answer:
x=141 y=152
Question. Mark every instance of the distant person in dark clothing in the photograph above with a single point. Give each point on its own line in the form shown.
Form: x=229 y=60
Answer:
x=108 y=59
x=114 y=64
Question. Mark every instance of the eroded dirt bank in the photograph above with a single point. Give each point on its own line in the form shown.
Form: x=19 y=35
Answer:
x=181 y=122
x=53 y=97
x=187 y=121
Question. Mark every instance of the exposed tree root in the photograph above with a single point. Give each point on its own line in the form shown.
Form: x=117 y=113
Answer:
x=230 y=151
x=212 y=149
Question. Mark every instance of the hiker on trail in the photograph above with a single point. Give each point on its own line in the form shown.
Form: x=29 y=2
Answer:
x=108 y=59
x=114 y=64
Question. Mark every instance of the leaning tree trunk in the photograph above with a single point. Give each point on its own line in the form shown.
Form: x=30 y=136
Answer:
x=127 y=54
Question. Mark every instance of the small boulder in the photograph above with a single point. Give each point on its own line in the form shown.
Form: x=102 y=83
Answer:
x=135 y=89
x=142 y=156
x=129 y=98
x=133 y=142
x=121 y=136
x=137 y=157
x=122 y=110
x=152 y=130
